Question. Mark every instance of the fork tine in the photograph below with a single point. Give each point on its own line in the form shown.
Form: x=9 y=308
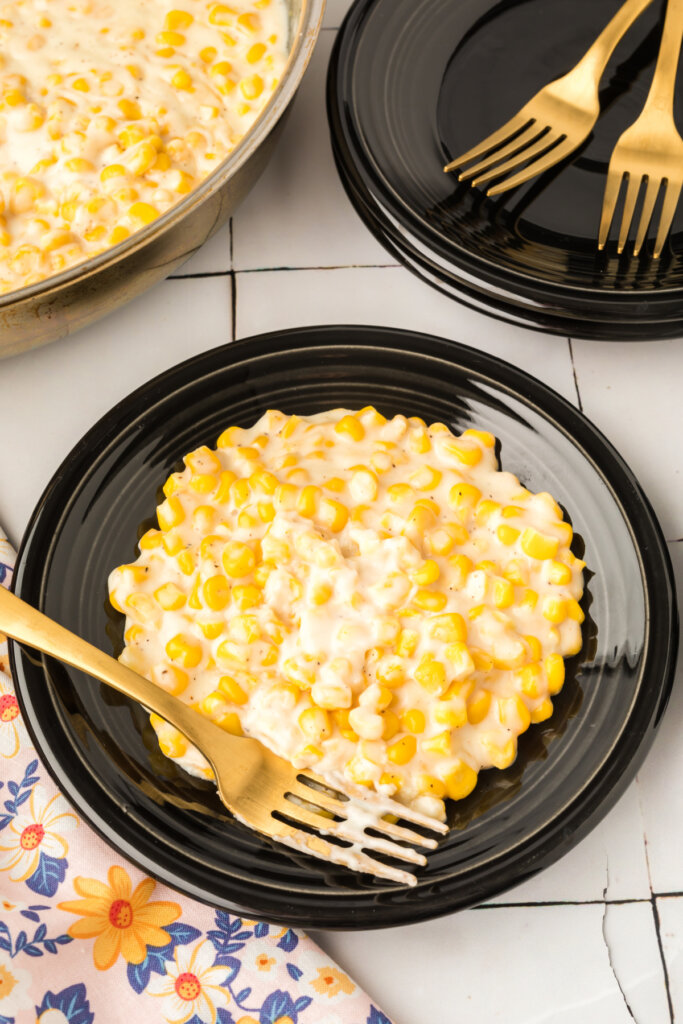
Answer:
x=651 y=193
x=494 y=139
x=632 y=190
x=547 y=139
x=546 y=160
x=671 y=194
x=313 y=796
x=390 y=806
x=526 y=137
x=609 y=204
x=319 y=847
x=304 y=816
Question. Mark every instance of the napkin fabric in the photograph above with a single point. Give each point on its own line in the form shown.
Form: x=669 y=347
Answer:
x=86 y=937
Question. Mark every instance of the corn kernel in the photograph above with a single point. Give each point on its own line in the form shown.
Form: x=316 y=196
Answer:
x=559 y=573
x=130 y=109
x=428 y=572
x=171 y=678
x=185 y=561
x=391 y=724
x=575 y=611
x=467 y=452
x=332 y=514
x=554 y=609
x=426 y=478
x=413 y=720
x=450 y=715
x=403 y=750
x=170 y=597
x=231 y=689
x=360 y=771
x=503 y=593
x=554 y=670
x=145 y=213
x=315 y=723
x=351 y=427
x=170 y=513
x=178 y=20
x=230 y=722
x=172 y=743
x=431 y=786
x=246 y=596
x=439 y=744
x=185 y=651
x=431 y=675
x=460 y=660
x=460 y=781
x=255 y=52
x=212 y=629
x=238 y=559
x=484 y=510
x=530 y=680
x=478 y=706
x=430 y=600
x=448 y=628
x=391 y=779
x=537 y=545
x=501 y=754
x=514 y=714
x=507 y=534
x=542 y=712
x=483 y=436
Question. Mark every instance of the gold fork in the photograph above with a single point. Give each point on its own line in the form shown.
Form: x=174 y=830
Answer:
x=554 y=122
x=650 y=151
x=252 y=782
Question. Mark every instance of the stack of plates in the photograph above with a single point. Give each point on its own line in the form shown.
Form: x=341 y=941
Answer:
x=414 y=83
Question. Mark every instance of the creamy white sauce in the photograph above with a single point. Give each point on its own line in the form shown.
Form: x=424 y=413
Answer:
x=108 y=116
x=370 y=618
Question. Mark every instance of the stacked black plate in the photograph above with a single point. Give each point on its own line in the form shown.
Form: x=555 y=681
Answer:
x=414 y=83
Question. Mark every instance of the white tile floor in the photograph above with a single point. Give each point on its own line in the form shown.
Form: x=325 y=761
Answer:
x=598 y=937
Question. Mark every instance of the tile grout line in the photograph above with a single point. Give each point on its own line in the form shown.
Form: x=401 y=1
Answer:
x=658 y=933
x=271 y=270
x=576 y=380
x=335 y=266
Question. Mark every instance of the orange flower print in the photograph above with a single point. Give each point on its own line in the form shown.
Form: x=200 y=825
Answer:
x=38 y=830
x=263 y=962
x=12 y=729
x=192 y=986
x=119 y=919
x=331 y=981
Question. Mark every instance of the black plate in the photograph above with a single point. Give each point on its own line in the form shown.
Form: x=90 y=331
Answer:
x=412 y=83
x=569 y=771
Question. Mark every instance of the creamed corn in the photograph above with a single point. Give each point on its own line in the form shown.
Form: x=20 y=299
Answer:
x=371 y=598
x=112 y=112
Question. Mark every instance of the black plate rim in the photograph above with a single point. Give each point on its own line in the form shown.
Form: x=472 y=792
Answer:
x=620 y=764
x=353 y=157
x=501 y=305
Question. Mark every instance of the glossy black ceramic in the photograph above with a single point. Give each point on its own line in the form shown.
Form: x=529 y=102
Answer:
x=413 y=83
x=570 y=769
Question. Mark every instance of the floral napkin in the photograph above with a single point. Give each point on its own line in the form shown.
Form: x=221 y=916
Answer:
x=85 y=937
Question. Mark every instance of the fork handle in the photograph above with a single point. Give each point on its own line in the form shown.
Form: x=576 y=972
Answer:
x=662 y=89
x=29 y=626
x=596 y=59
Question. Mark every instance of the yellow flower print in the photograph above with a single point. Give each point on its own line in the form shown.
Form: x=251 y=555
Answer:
x=38 y=830
x=119 y=919
x=263 y=962
x=14 y=988
x=331 y=981
x=191 y=985
x=13 y=733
